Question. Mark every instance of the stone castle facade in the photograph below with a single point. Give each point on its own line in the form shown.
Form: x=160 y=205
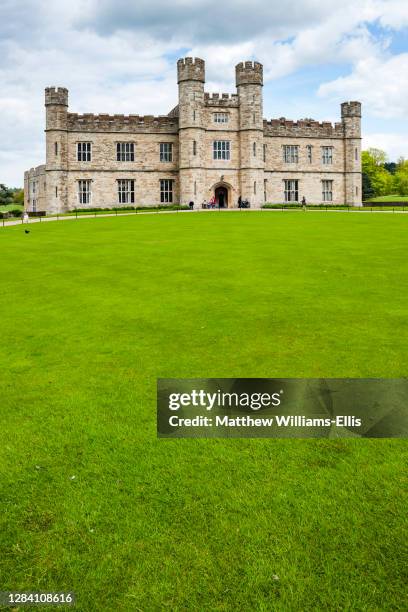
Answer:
x=208 y=146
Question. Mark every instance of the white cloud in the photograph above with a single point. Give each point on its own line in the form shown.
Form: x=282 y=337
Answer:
x=395 y=145
x=381 y=83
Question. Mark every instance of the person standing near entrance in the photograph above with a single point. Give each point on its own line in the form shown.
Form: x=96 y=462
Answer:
x=25 y=217
x=304 y=203
x=239 y=202
x=191 y=205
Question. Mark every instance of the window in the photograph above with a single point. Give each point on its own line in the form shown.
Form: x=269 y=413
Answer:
x=194 y=115
x=126 y=191
x=264 y=152
x=221 y=149
x=254 y=149
x=327 y=155
x=56 y=148
x=253 y=118
x=56 y=192
x=194 y=147
x=356 y=154
x=291 y=154
x=34 y=186
x=195 y=187
x=356 y=191
x=125 y=151
x=34 y=205
x=166 y=152
x=221 y=117
x=166 y=191
x=291 y=191
x=84 y=151
x=265 y=189
x=309 y=153
x=84 y=192
x=327 y=191
x=254 y=187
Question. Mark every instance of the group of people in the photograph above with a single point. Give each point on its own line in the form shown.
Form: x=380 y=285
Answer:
x=211 y=203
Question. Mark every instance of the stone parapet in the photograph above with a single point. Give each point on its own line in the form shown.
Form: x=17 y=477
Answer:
x=122 y=123
x=303 y=128
x=223 y=99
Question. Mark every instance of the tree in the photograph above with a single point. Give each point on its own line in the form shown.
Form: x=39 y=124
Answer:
x=373 y=166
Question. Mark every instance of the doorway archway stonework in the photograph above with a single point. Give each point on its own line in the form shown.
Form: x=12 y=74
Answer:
x=222 y=188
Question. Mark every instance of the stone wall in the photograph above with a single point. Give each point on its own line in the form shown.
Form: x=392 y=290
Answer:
x=256 y=169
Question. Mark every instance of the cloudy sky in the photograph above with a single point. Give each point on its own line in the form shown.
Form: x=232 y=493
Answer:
x=118 y=56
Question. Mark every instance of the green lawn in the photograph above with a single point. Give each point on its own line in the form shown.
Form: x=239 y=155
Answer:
x=389 y=198
x=93 y=311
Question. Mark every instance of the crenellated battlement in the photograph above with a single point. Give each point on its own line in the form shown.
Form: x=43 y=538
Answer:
x=249 y=73
x=190 y=69
x=303 y=128
x=56 y=95
x=122 y=123
x=351 y=109
x=223 y=99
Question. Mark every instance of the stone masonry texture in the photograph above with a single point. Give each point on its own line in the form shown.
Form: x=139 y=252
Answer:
x=255 y=170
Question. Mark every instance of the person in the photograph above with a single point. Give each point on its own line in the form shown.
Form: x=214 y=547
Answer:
x=204 y=204
x=212 y=202
x=239 y=202
x=25 y=217
x=191 y=205
x=304 y=203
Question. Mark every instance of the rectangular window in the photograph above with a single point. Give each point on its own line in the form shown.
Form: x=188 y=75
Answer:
x=254 y=187
x=221 y=117
x=194 y=147
x=166 y=191
x=84 y=151
x=56 y=148
x=34 y=205
x=265 y=189
x=34 y=186
x=290 y=154
x=56 y=192
x=221 y=149
x=126 y=191
x=264 y=152
x=356 y=154
x=84 y=191
x=125 y=151
x=254 y=149
x=327 y=191
x=327 y=155
x=166 y=152
x=309 y=153
x=291 y=190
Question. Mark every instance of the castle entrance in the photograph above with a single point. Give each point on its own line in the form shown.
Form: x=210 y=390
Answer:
x=221 y=197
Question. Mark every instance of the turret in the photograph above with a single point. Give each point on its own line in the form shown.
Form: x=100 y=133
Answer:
x=351 y=120
x=191 y=78
x=56 y=126
x=56 y=104
x=249 y=81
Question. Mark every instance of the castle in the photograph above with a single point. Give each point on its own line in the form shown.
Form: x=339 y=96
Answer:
x=208 y=146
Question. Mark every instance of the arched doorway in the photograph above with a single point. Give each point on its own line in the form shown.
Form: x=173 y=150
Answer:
x=221 y=197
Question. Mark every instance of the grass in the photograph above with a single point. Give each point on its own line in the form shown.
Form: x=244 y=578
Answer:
x=94 y=312
x=389 y=198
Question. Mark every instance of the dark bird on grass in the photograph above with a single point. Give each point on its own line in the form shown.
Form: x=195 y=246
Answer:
x=26 y=231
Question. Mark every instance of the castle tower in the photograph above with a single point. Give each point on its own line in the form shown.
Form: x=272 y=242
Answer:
x=191 y=79
x=56 y=107
x=351 y=119
x=249 y=81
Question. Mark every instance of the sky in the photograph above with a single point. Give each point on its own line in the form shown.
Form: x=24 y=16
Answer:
x=119 y=56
